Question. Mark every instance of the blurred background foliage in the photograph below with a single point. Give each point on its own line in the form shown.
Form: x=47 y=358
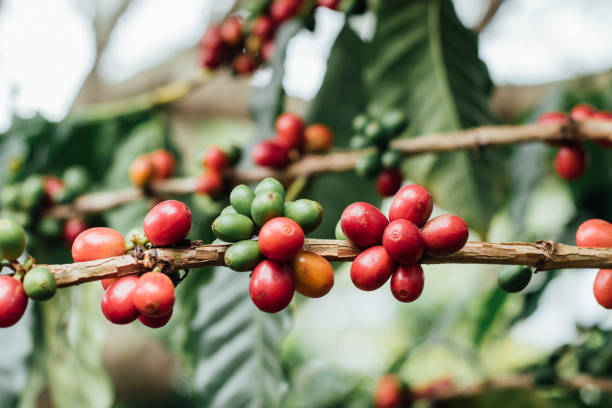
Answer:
x=218 y=350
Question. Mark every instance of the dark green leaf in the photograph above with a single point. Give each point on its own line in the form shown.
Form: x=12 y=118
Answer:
x=489 y=310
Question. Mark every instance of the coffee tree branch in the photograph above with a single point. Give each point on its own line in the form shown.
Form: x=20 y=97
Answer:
x=543 y=255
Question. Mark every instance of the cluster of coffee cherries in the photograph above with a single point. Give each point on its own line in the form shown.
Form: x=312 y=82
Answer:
x=279 y=264
x=28 y=201
x=291 y=139
x=596 y=233
x=381 y=162
x=391 y=392
x=395 y=245
x=157 y=165
x=150 y=296
x=216 y=161
x=571 y=160
x=28 y=281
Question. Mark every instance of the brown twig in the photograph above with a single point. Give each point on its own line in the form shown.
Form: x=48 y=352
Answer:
x=543 y=255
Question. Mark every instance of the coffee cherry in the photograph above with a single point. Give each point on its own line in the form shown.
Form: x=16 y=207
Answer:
x=582 y=111
x=602 y=288
x=338 y=233
x=231 y=30
x=266 y=206
x=72 y=229
x=331 y=4
x=358 y=142
x=267 y=50
x=13 y=301
x=212 y=39
x=33 y=190
x=513 y=279
x=272 y=286
x=39 y=283
x=117 y=303
x=552 y=118
x=270 y=154
x=49 y=226
x=360 y=122
x=142 y=171
x=106 y=283
x=368 y=164
x=270 y=184
x=233 y=227
x=289 y=131
x=97 y=243
x=9 y=197
x=76 y=179
x=413 y=203
x=210 y=183
x=215 y=159
x=601 y=115
x=164 y=163
x=282 y=10
x=391 y=159
x=228 y=210
x=318 y=138
x=372 y=268
x=407 y=282
x=307 y=213
x=243 y=256
x=571 y=162
x=263 y=27
x=211 y=58
x=444 y=234
x=155 y=322
x=12 y=239
x=388 y=182
x=388 y=392
x=154 y=294
x=233 y=153
x=244 y=64
x=394 y=121
x=402 y=241
x=167 y=223
x=594 y=233
x=280 y=239
x=313 y=274
x=363 y=224
x=52 y=187
x=241 y=199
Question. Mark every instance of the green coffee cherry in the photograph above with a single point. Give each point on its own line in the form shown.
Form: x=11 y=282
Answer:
x=49 y=227
x=31 y=192
x=10 y=196
x=243 y=256
x=241 y=199
x=228 y=210
x=339 y=233
x=514 y=279
x=220 y=241
x=307 y=213
x=12 y=239
x=39 y=283
x=375 y=134
x=270 y=184
x=393 y=122
x=267 y=206
x=358 y=142
x=368 y=164
x=76 y=179
x=233 y=227
x=391 y=159
x=234 y=153
x=360 y=122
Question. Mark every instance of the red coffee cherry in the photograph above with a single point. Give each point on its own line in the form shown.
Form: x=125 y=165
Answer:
x=407 y=282
x=552 y=118
x=282 y=10
x=413 y=203
x=155 y=322
x=602 y=288
x=212 y=39
x=211 y=58
x=271 y=286
x=263 y=27
x=318 y=138
x=582 y=111
x=388 y=182
x=210 y=183
x=444 y=234
x=270 y=154
x=388 y=392
x=13 y=301
x=117 y=305
x=231 y=30
x=601 y=115
x=72 y=229
x=163 y=162
x=52 y=187
x=372 y=268
x=97 y=243
x=594 y=233
x=571 y=162
x=363 y=224
x=244 y=64
x=281 y=239
x=267 y=50
x=106 y=283
x=215 y=158
x=142 y=170
x=289 y=131
x=154 y=294
x=331 y=4
x=402 y=241
x=167 y=223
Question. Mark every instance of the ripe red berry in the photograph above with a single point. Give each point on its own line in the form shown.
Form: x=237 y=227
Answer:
x=601 y=115
x=281 y=239
x=211 y=58
x=215 y=158
x=444 y=234
x=154 y=294
x=167 y=223
x=231 y=30
x=552 y=118
x=289 y=130
x=407 y=282
x=363 y=224
x=244 y=64
x=372 y=268
x=210 y=183
x=272 y=286
x=142 y=170
x=388 y=392
x=594 y=233
x=212 y=39
x=582 y=111
x=263 y=27
x=270 y=154
x=52 y=187
x=97 y=243
x=602 y=288
x=155 y=322
x=72 y=229
x=13 y=301
x=281 y=10
x=107 y=282
x=571 y=162
x=318 y=138
x=413 y=203
x=331 y=4
x=117 y=305
x=388 y=182
x=163 y=162
x=402 y=241
x=267 y=50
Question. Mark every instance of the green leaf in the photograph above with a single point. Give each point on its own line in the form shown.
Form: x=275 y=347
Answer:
x=489 y=310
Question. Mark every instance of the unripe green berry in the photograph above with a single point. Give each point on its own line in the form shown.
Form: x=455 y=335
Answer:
x=39 y=283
